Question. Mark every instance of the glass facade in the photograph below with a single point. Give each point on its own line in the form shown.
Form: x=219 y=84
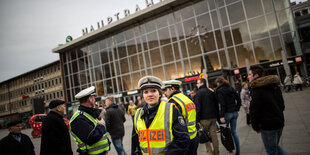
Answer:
x=183 y=41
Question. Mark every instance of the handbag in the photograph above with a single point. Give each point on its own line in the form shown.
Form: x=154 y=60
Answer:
x=226 y=138
x=203 y=135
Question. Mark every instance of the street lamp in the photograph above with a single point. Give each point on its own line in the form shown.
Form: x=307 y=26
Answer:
x=283 y=51
x=195 y=31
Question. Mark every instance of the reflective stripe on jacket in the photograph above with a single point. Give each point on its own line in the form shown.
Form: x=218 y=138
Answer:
x=188 y=112
x=99 y=147
x=156 y=138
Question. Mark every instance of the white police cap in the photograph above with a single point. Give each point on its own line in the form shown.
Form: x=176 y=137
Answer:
x=85 y=92
x=150 y=82
x=171 y=83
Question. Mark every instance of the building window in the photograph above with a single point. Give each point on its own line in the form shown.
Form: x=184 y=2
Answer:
x=304 y=11
x=297 y=14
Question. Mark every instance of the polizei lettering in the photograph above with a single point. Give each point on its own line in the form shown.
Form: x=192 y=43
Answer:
x=151 y=135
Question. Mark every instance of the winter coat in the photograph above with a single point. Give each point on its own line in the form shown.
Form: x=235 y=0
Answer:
x=297 y=79
x=228 y=99
x=267 y=104
x=132 y=109
x=114 y=119
x=206 y=104
x=55 y=136
x=287 y=81
x=10 y=146
x=245 y=100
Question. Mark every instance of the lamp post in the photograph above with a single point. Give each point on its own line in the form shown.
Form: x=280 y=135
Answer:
x=283 y=51
x=195 y=32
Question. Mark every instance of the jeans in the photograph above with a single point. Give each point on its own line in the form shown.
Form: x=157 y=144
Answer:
x=231 y=119
x=271 y=140
x=118 y=144
x=288 y=88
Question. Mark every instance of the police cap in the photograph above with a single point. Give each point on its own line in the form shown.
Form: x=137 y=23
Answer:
x=171 y=83
x=86 y=92
x=150 y=82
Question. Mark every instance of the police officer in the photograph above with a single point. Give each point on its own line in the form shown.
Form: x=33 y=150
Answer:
x=88 y=132
x=187 y=107
x=159 y=126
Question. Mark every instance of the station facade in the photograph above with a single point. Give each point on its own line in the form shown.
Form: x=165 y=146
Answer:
x=180 y=39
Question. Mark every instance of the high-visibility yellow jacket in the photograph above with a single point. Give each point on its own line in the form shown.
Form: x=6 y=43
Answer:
x=188 y=111
x=99 y=147
x=156 y=138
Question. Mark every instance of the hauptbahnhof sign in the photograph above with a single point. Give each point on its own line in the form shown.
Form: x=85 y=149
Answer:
x=116 y=17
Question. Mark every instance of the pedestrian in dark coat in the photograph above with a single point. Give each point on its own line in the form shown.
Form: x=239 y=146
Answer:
x=266 y=108
x=55 y=135
x=207 y=111
x=115 y=118
x=206 y=103
x=16 y=143
x=230 y=103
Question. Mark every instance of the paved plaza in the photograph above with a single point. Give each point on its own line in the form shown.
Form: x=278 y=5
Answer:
x=295 y=139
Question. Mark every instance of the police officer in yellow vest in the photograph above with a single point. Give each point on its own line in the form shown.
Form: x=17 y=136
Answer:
x=187 y=107
x=87 y=130
x=160 y=126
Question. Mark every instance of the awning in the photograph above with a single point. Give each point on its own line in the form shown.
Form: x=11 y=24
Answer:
x=303 y=25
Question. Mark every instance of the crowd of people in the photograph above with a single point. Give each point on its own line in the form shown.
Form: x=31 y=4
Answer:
x=165 y=121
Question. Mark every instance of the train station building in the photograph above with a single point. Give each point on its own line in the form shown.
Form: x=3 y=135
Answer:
x=182 y=39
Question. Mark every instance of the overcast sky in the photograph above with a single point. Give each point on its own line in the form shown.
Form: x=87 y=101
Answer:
x=30 y=29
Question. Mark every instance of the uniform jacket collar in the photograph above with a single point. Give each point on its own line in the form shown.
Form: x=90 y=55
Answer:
x=148 y=111
x=91 y=111
x=176 y=92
